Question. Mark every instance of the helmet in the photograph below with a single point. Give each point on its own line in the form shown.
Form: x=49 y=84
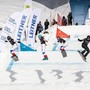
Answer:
x=88 y=37
x=58 y=37
x=8 y=37
x=39 y=36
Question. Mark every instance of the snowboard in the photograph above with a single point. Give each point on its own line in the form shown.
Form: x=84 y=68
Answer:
x=15 y=58
x=82 y=56
x=45 y=57
x=64 y=53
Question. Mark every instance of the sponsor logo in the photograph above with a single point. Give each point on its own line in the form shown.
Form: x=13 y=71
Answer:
x=3 y=38
x=12 y=20
x=7 y=29
x=21 y=27
x=31 y=33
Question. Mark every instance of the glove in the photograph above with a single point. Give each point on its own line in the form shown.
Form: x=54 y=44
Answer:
x=79 y=40
x=6 y=41
x=18 y=42
x=11 y=51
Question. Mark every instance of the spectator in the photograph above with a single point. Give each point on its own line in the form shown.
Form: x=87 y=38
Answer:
x=64 y=21
x=39 y=27
x=69 y=17
x=54 y=22
x=76 y=24
x=46 y=24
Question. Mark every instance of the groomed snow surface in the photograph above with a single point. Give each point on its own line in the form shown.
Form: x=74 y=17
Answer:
x=56 y=73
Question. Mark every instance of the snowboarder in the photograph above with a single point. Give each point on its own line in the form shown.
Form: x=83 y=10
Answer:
x=43 y=44
x=85 y=43
x=63 y=44
x=15 y=47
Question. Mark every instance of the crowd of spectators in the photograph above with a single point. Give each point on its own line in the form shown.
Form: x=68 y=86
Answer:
x=64 y=22
x=68 y=20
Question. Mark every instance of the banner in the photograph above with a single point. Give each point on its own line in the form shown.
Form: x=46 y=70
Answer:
x=10 y=26
x=32 y=27
x=22 y=22
x=8 y=29
x=28 y=4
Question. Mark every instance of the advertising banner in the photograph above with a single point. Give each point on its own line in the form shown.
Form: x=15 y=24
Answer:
x=32 y=27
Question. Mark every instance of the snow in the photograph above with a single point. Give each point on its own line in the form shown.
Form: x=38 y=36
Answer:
x=32 y=73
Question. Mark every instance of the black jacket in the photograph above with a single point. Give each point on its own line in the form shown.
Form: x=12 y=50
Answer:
x=85 y=41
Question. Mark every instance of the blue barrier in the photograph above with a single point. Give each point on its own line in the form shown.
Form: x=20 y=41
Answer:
x=79 y=9
x=23 y=47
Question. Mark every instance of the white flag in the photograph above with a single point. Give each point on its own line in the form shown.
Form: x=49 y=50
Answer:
x=8 y=28
x=32 y=27
x=22 y=23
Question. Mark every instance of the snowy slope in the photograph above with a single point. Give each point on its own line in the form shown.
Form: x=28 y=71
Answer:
x=31 y=72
